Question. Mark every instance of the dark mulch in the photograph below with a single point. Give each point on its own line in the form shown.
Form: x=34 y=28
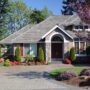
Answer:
x=85 y=83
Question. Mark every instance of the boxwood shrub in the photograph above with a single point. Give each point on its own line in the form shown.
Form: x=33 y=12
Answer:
x=72 y=54
x=18 y=54
x=40 y=54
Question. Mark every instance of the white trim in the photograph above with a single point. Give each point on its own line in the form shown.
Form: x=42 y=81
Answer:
x=79 y=47
x=81 y=55
x=56 y=26
x=58 y=34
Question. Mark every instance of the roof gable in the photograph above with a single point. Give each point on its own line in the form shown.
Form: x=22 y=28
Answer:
x=35 y=33
x=56 y=26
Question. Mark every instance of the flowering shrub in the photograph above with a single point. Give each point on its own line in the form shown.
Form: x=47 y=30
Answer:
x=68 y=61
x=7 y=63
x=85 y=72
x=72 y=54
x=66 y=75
x=38 y=63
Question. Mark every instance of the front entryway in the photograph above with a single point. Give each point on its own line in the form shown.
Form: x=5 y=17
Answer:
x=57 y=48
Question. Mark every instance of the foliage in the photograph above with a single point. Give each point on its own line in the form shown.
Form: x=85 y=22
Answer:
x=36 y=16
x=47 y=63
x=72 y=54
x=77 y=70
x=67 y=10
x=29 y=58
x=0 y=52
x=18 y=16
x=82 y=7
x=66 y=75
x=40 y=54
x=4 y=8
x=46 y=13
x=88 y=50
x=18 y=54
x=85 y=72
x=7 y=63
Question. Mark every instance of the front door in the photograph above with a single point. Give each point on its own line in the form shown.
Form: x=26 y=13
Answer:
x=57 y=50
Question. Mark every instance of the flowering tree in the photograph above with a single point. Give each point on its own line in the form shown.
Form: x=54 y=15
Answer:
x=82 y=7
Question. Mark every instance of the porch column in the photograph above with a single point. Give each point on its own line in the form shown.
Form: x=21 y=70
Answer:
x=67 y=47
x=48 y=52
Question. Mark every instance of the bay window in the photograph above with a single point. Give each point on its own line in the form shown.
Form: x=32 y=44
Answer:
x=80 y=47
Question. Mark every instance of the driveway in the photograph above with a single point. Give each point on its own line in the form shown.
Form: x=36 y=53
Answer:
x=31 y=78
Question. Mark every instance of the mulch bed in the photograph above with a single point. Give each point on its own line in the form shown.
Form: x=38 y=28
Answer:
x=85 y=83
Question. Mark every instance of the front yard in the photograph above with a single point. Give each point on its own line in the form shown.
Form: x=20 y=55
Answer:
x=76 y=76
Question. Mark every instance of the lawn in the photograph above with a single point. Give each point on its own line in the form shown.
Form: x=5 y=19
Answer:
x=77 y=70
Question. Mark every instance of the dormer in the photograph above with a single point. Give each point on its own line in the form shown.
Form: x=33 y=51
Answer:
x=81 y=28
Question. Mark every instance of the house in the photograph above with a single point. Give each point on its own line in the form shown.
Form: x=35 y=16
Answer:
x=56 y=35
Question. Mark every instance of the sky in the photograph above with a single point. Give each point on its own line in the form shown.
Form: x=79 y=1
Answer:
x=53 y=5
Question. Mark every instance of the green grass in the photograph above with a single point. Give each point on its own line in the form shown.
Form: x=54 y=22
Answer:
x=77 y=70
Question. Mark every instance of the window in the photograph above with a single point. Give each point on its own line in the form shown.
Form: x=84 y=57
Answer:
x=10 y=49
x=80 y=26
x=77 y=47
x=80 y=47
x=27 y=49
x=86 y=27
x=76 y=27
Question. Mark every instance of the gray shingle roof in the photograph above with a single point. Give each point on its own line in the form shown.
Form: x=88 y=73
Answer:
x=30 y=34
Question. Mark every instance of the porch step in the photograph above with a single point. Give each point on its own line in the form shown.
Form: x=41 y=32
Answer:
x=57 y=61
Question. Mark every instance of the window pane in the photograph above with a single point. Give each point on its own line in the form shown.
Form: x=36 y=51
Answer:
x=10 y=49
x=86 y=27
x=81 y=27
x=77 y=47
x=76 y=27
x=33 y=50
x=82 y=48
x=27 y=49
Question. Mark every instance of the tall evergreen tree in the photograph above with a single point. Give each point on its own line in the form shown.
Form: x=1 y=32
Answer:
x=67 y=10
x=36 y=16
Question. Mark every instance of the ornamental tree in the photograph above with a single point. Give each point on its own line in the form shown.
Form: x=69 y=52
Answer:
x=82 y=8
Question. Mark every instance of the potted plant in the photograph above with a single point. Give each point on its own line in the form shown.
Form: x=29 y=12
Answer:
x=29 y=59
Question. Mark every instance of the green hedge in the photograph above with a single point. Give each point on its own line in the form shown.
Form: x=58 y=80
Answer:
x=72 y=54
x=40 y=54
x=18 y=54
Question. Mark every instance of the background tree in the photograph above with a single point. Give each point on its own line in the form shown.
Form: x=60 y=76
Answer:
x=46 y=13
x=4 y=7
x=18 y=16
x=82 y=7
x=36 y=16
x=67 y=10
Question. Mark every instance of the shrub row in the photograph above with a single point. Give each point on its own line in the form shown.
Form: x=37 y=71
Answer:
x=71 y=74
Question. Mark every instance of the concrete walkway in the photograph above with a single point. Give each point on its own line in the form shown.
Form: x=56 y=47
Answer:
x=31 y=78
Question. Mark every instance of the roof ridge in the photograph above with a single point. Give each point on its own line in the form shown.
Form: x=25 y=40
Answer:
x=16 y=32
x=32 y=27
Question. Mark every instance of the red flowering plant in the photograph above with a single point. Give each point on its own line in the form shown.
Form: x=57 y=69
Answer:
x=68 y=61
